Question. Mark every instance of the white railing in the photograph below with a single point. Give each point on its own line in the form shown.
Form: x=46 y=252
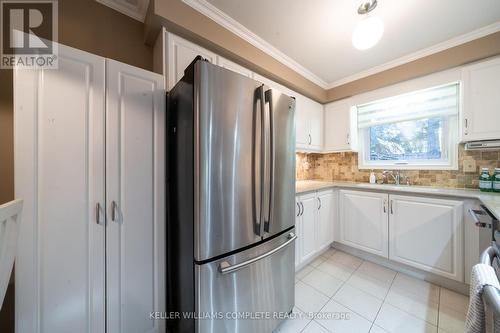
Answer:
x=10 y=217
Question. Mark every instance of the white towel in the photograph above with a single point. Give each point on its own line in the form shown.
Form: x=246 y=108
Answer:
x=482 y=275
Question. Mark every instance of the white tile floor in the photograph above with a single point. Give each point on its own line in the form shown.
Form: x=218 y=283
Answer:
x=356 y=296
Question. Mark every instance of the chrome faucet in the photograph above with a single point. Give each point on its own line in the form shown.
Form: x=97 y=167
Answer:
x=396 y=177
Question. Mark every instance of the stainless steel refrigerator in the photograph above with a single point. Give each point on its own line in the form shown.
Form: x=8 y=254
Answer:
x=231 y=180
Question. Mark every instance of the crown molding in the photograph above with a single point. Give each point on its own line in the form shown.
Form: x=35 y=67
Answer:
x=475 y=34
x=238 y=29
x=136 y=12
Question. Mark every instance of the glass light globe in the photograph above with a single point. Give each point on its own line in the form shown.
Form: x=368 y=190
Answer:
x=368 y=32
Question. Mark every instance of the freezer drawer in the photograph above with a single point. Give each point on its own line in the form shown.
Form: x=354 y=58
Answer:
x=253 y=284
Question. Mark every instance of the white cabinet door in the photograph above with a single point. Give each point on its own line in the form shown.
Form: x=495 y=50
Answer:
x=315 y=115
x=427 y=233
x=481 y=111
x=364 y=221
x=340 y=126
x=273 y=85
x=302 y=135
x=180 y=53
x=59 y=172
x=308 y=124
x=308 y=219
x=298 y=232
x=135 y=202
x=223 y=62
x=325 y=219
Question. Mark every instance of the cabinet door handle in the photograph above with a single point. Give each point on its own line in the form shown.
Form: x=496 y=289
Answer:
x=310 y=138
x=302 y=205
x=466 y=128
x=298 y=213
x=385 y=203
x=319 y=203
x=392 y=212
x=348 y=139
x=98 y=213
x=113 y=211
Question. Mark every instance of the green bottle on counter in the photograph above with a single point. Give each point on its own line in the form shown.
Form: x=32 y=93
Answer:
x=496 y=180
x=485 y=180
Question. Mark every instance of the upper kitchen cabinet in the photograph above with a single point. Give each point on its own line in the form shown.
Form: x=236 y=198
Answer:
x=340 y=126
x=481 y=101
x=273 y=84
x=228 y=64
x=182 y=53
x=179 y=54
x=308 y=125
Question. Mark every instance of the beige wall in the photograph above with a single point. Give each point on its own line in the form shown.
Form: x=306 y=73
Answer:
x=6 y=137
x=478 y=49
x=185 y=21
x=89 y=26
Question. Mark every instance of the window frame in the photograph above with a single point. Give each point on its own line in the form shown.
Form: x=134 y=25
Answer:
x=450 y=141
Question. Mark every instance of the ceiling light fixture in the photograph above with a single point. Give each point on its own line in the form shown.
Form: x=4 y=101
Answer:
x=370 y=29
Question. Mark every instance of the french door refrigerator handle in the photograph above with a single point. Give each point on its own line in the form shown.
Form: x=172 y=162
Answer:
x=269 y=162
x=258 y=182
x=226 y=268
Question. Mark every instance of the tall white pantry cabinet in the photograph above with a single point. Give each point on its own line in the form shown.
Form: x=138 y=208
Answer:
x=89 y=164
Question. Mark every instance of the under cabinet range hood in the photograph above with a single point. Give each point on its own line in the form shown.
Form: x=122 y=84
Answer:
x=477 y=145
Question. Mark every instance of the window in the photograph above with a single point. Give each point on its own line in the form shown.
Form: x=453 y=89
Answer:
x=417 y=130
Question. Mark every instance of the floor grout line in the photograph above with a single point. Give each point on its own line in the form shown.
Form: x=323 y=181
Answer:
x=344 y=282
x=331 y=298
x=383 y=301
x=439 y=308
x=356 y=269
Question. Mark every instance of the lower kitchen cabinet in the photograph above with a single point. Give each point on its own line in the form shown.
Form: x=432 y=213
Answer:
x=363 y=221
x=325 y=219
x=427 y=233
x=421 y=232
x=314 y=225
x=298 y=231
x=308 y=217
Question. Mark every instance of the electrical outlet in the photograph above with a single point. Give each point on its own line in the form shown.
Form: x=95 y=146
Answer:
x=469 y=166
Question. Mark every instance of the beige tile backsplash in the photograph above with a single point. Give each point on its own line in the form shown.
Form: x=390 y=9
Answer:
x=344 y=167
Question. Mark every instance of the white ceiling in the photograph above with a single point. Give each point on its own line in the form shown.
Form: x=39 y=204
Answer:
x=314 y=36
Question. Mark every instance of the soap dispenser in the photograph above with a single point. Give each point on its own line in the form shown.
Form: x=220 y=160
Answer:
x=373 y=178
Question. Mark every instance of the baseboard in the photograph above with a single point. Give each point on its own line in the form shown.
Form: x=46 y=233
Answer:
x=459 y=287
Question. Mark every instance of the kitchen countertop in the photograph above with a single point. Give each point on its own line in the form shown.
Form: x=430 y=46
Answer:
x=490 y=200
